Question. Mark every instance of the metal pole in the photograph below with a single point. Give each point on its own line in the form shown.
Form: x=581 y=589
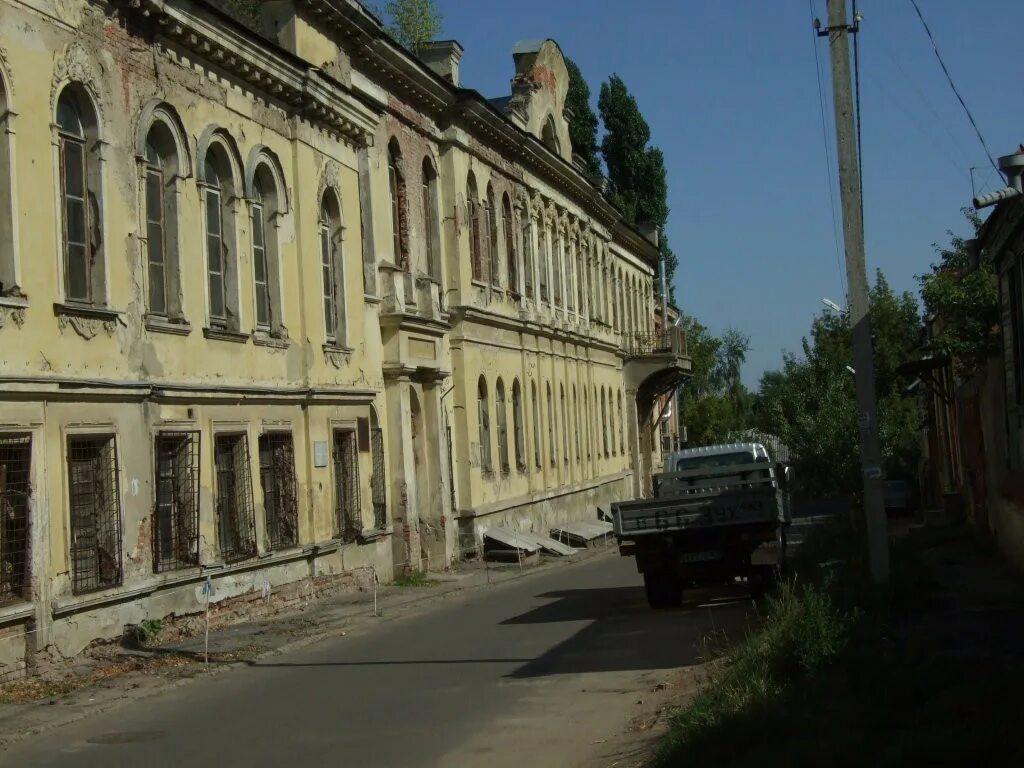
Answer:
x=856 y=275
x=664 y=296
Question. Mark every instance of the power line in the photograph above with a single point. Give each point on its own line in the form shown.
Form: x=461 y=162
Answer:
x=952 y=85
x=925 y=101
x=828 y=156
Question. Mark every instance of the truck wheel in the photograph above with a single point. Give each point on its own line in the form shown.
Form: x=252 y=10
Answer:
x=663 y=589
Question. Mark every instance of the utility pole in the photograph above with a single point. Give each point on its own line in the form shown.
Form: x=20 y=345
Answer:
x=838 y=32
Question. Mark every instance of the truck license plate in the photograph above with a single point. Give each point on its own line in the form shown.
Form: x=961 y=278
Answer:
x=699 y=557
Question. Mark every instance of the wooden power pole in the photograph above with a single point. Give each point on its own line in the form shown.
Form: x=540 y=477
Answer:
x=859 y=304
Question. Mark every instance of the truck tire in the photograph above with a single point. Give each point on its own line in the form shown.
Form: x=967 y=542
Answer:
x=663 y=589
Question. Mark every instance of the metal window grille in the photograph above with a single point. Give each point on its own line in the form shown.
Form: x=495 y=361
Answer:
x=236 y=520
x=176 y=515
x=346 y=485
x=15 y=490
x=95 y=506
x=280 y=498
x=378 y=480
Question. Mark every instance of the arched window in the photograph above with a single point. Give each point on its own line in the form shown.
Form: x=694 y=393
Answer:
x=511 y=256
x=378 y=480
x=579 y=271
x=611 y=422
x=556 y=265
x=543 y=262
x=604 y=422
x=8 y=266
x=80 y=197
x=551 y=429
x=399 y=206
x=431 y=230
x=588 y=420
x=491 y=213
x=549 y=135
x=576 y=422
x=484 y=422
x=569 y=248
x=265 y=210
x=162 y=167
x=221 y=254
x=517 y=425
x=536 y=424
x=475 y=244
x=622 y=428
x=528 y=267
x=565 y=426
x=502 y=417
x=331 y=269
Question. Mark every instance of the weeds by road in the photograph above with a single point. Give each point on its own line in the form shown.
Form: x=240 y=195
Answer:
x=830 y=677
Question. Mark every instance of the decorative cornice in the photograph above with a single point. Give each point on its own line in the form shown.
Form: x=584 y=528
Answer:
x=307 y=91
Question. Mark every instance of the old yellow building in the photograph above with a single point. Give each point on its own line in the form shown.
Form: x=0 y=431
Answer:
x=284 y=308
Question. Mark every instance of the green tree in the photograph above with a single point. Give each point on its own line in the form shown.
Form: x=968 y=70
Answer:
x=964 y=302
x=638 y=182
x=714 y=402
x=582 y=119
x=810 y=403
x=412 y=22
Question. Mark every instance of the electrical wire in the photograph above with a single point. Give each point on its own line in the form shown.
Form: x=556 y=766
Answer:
x=955 y=142
x=828 y=156
x=952 y=85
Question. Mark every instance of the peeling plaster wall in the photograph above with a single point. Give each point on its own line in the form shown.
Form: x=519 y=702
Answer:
x=115 y=374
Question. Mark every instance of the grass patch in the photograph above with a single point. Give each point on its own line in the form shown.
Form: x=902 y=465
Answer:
x=824 y=680
x=414 y=579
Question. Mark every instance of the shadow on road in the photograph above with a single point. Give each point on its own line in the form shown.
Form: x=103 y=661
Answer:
x=625 y=634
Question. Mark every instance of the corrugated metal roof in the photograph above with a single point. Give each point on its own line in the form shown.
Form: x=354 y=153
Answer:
x=585 y=530
x=528 y=542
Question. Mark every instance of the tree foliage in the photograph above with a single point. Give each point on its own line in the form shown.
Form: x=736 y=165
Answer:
x=810 y=403
x=638 y=181
x=582 y=119
x=412 y=22
x=714 y=402
x=964 y=303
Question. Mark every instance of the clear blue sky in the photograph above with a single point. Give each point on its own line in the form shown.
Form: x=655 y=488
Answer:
x=730 y=92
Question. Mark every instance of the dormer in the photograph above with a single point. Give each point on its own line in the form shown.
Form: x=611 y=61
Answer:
x=538 y=94
x=297 y=29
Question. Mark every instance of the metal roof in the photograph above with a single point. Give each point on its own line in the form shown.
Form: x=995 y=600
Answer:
x=528 y=542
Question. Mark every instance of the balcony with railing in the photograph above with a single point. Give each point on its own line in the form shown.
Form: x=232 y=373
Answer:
x=657 y=360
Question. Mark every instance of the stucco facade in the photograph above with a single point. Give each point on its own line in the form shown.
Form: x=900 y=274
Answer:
x=287 y=304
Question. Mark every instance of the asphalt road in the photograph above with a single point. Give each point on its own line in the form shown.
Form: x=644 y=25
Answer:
x=537 y=671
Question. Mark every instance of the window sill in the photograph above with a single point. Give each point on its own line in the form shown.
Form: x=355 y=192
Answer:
x=338 y=349
x=370 y=298
x=223 y=334
x=372 y=535
x=265 y=339
x=87 y=311
x=487 y=474
x=18 y=611
x=14 y=302
x=157 y=324
x=479 y=283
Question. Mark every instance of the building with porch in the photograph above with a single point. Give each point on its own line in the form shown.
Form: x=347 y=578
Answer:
x=285 y=308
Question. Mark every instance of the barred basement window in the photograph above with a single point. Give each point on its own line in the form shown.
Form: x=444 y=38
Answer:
x=15 y=489
x=280 y=499
x=95 y=506
x=346 y=485
x=176 y=516
x=236 y=520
